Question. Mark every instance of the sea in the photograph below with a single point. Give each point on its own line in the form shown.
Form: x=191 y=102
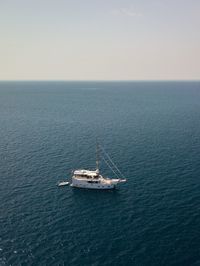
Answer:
x=150 y=129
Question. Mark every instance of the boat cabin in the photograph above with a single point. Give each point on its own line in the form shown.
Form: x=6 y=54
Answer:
x=86 y=174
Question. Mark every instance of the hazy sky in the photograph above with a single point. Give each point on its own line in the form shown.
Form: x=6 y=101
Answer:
x=99 y=39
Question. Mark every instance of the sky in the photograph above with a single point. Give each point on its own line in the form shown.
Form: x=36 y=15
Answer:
x=100 y=40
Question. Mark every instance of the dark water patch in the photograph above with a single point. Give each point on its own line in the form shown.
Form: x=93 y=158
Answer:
x=150 y=129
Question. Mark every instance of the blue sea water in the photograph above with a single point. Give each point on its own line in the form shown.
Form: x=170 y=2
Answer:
x=152 y=132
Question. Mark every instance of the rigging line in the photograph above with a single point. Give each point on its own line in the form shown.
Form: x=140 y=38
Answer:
x=114 y=165
x=110 y=167
x=111 y=161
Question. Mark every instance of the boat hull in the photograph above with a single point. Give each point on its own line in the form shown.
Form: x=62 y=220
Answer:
x=85 y=184
x=87 y=187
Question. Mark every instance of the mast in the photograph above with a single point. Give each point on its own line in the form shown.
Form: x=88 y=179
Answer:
x=97 y=156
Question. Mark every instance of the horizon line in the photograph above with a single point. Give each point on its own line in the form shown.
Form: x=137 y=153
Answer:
x=93 y=80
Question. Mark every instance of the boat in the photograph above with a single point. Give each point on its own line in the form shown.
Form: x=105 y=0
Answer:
x=92 y=179
x=63 y=183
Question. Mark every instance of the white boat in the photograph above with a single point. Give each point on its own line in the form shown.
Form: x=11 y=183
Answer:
x=63 y=183
x=93 y=179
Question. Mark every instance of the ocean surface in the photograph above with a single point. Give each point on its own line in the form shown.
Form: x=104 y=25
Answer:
x=152 y=132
